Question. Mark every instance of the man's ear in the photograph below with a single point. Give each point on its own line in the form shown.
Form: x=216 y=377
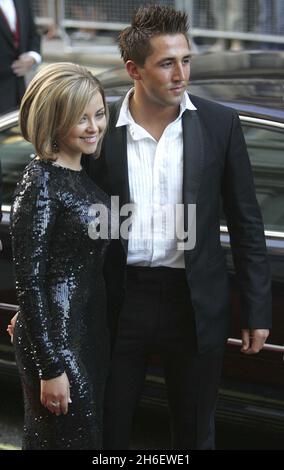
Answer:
x=132 y=70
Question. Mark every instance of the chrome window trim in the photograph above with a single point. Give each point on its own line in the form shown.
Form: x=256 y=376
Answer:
x=12 y=307
x=268 y=233
x=9 y=120
x=266 y=346
x=260 y=121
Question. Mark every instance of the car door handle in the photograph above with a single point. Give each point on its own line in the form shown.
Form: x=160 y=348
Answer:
x=266 y=346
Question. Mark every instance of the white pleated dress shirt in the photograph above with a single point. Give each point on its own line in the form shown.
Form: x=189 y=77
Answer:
x=155 y=173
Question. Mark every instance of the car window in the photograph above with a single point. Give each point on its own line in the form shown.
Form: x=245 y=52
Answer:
x=15 y=154
x=266 y=152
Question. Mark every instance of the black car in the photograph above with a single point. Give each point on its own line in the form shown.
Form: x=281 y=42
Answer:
x=253 y=84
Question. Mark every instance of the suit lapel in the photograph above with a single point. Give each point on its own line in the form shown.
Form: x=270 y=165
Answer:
x=116 y=152
x=193 y=144
x=6 y=30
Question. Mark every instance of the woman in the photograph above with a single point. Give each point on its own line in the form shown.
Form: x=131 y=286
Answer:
x=60 y=337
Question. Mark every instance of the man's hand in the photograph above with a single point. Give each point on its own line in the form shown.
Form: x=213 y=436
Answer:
x=23 y=64
x=11 y=327
x=253 y=340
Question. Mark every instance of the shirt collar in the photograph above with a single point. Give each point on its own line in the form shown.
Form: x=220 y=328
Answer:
x=125 y=117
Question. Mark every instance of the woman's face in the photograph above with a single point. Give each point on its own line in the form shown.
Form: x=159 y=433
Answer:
x=85 y=136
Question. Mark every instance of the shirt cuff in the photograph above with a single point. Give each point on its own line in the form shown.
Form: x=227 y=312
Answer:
x=36 y=56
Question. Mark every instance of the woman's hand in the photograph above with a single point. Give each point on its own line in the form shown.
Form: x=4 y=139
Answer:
x=55 y=394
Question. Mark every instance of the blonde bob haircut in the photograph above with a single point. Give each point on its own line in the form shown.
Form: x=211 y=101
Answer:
x=54 y=102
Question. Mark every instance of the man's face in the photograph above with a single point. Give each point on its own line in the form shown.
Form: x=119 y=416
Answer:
x=165 y=74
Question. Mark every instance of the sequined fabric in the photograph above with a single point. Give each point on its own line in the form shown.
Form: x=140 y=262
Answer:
x=62 y=321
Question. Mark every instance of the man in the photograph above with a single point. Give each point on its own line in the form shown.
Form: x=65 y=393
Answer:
x=19 y=52
x=165 y=147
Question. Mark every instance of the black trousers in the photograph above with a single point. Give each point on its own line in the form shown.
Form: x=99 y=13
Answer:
x=157 y=318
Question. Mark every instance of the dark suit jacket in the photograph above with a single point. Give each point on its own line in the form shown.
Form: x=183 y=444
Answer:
x=12 y=87
x=216 y=165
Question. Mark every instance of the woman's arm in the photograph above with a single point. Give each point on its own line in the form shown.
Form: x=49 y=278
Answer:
x=33 y=217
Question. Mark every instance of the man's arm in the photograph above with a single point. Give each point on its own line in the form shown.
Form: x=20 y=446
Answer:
x=247 y=239
x=30 y=55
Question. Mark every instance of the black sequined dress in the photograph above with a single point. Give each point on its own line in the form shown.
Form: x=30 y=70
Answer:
x=62 y=321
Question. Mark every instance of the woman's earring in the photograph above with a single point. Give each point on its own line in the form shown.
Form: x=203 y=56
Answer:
x=55 y=147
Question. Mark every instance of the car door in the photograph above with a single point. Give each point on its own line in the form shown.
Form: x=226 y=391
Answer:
x=265 y=143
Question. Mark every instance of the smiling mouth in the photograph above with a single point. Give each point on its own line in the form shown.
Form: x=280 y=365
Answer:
x=90 y=140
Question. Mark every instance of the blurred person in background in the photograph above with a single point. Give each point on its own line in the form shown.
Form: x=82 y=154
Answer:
x=19 y=51
x=271 y=21
x=228 y=16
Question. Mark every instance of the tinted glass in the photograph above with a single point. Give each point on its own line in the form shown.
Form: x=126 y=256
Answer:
x=266 y=151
